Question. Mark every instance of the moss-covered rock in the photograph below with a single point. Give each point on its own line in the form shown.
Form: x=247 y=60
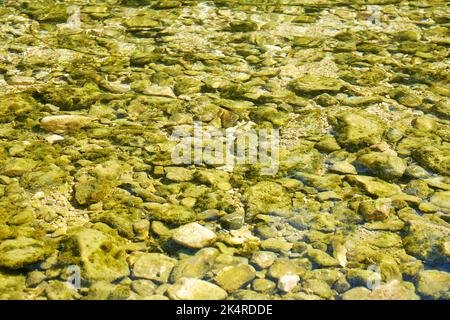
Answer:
x=433 y=158
x=433 y=284
x=356 y=129
x=316 y=84
x=266 y=197
x=425 y=240
x=170 y=213
x=234 y=277
x=21 y=252
x=99 y=255
x=383 y=165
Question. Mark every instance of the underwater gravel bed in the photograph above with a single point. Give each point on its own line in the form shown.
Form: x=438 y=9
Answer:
x=352 y=202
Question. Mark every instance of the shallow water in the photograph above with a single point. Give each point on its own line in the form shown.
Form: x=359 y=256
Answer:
x=224 y=149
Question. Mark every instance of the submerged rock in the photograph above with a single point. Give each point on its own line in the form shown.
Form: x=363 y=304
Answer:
x=266 y=197
x=194 y=235
x=316 y=84
x=356 y=129
x=154 y=266
x=99 y=255
x=433 y=284
x=374 y=186
x=426 y=241
x=21 y=252
x=64 y=123
x=195 y=289
x=383 y=165
x=433 y=158
x=234 y=277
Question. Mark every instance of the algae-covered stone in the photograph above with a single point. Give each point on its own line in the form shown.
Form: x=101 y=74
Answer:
x=171 y=213
x=263 y=259
x=378 y=209
x=187 y=85
x=394 y=290
x=89 y=190
x=178 y=174
x=425 y=240
x=65 y=123
x=357 y=129
x=143 y=287
x=58 y=290
x=316 y=84
x=194 y=235
x=441 y=199
x=234 y=277
x=195 y=289
x=321 y=258
x=12 y=286
x=263 y=285
x=383 y=165
x=374 y=186
x=433 y=158
x=406 y=97
x=99 y=255
x=276 y=245
x=283 y=267
x=196 y=266
x=442 y=108
x=266 y=197
x=21 y=252
x=434 y=284
x=358 y=293
x=154 y=266
x=327 y=144
x=18 y=166
x=318 y=287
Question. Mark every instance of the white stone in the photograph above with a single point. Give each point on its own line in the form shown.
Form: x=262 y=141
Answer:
x=194 y=235
x=288 y=282
x=54 y=138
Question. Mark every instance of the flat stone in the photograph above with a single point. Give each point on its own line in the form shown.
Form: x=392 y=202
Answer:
x=234 y=277
x=321 y=258
x=383 y=165
x=358 y=129
x=194 y=235
x=178 y=174
x=316 y=84
x=20 y=252
x=434 y=284
x=283 y=267
x=64 y=123
x=426 y=240
x=154 y=266
x=195 y=289
x=374 y=186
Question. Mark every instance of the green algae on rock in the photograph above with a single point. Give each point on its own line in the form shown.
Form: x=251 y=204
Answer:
x=99 y=255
